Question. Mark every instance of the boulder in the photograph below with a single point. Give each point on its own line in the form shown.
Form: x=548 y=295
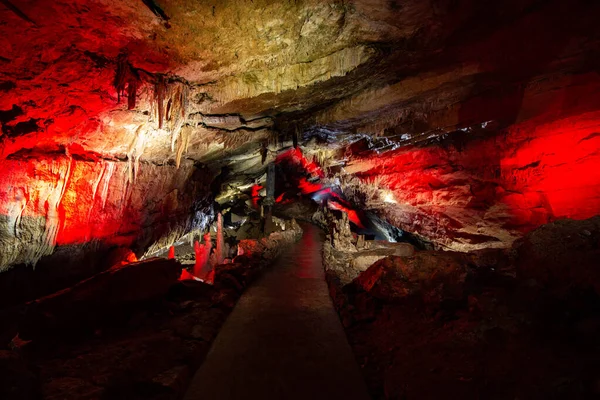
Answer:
x=362 y=262
x=103 y=298
x=430 y=275
x=562 y=255
x=250 y=247
x=364 y=259
x=234 y=275
x=175 y=379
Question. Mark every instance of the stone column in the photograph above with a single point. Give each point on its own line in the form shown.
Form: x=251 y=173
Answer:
x=270 y=199
x=220 y=240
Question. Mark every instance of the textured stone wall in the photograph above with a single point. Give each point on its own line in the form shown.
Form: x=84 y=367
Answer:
x=489 y=191
x=64 y=200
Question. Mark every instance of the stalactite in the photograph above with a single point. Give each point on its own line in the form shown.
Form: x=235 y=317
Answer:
x=274 y=138
x=16 y=209
x=182 y=145
x=264 y=152
x=97 y=183
x=126 y=79
x=295 y=137
x=170 y=108
x=132 y=88
x=160 y=91
x=94 y=193
x=64 y=183
x=108 y=171
x=178 y=111
x=125 y=193
x=135 y=151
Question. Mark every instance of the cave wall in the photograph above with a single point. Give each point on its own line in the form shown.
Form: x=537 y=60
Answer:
x=101 y=143
x=495 y=137
x=63 y=217
x=57 y=201
x=489 y=191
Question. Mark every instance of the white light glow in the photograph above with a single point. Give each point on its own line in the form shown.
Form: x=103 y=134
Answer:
x=388 y=197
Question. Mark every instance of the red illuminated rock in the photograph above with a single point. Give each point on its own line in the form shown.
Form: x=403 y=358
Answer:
x=121 y=256
x=490 y=191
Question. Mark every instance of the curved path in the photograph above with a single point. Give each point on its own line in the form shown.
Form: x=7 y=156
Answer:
x=284 y=339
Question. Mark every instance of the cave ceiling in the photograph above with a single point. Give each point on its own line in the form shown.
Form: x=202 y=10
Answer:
x=361 y=65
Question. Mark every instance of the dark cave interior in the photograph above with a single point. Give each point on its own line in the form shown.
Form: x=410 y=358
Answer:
x=435 y=164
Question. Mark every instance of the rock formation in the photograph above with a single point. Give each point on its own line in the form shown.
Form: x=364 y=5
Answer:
x=466 y=147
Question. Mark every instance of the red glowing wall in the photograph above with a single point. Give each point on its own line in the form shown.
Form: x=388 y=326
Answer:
x=64 y=200
x=493 y=189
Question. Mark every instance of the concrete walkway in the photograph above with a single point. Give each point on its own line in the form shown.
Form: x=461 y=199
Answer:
x=284 y=339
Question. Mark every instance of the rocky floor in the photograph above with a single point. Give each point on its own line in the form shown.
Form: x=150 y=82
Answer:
x=125 y=334
x=151 y=358
x=518 y=324
x=148 y=355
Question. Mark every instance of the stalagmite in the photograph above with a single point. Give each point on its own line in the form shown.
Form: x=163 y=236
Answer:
x=269 y=200
x=202 y=252
x=220 y=241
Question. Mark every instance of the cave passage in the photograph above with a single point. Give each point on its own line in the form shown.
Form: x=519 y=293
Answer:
x=284 y=338
x=157 y=157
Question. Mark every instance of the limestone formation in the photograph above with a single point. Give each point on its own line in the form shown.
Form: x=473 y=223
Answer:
x=401 y=100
